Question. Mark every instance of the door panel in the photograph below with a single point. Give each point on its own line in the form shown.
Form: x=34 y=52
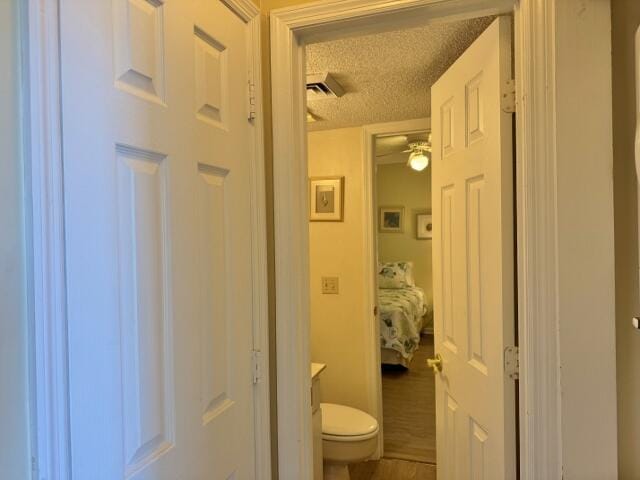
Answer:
x=138 y=36
x=157 y=155
x=211 y=79
x=216 y=391
x=146 y=340
x=473 y=245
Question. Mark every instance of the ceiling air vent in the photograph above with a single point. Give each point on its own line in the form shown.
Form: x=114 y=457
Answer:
x=321 y=86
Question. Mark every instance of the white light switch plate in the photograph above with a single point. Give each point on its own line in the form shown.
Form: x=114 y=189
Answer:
x=330 y=285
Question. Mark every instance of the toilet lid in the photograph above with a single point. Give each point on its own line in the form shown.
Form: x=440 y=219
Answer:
x=343 y=421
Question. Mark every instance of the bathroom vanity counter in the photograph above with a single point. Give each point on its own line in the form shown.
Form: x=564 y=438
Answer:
x=316 y=369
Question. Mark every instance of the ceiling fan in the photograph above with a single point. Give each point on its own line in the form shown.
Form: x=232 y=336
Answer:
x=419 y=154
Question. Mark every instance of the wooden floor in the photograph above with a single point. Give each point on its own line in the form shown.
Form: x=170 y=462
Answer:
x=392 y=469
x=409 y=409
x=409 y=423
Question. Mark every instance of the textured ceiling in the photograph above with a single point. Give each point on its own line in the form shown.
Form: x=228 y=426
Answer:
x=387 y=77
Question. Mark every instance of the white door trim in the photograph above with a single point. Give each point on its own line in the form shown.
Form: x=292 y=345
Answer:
x=262 y=398
x=541 y=433
x=48 y=296
x=369 y=248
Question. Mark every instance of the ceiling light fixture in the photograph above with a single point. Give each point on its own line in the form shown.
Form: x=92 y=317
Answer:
x=311 y=118
x=418 y=160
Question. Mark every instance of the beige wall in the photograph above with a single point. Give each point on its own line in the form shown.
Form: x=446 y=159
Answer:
x=625 y=20
x=14 y=399
x=338 y=322
x=584 y=238
x=398 y=185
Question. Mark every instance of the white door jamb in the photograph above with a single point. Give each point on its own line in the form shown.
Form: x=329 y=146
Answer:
x=48 y=298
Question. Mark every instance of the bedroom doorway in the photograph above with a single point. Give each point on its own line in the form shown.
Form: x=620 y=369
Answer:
x=403 y=219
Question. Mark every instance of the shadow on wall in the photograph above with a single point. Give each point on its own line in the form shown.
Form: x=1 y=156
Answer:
x=625 y=21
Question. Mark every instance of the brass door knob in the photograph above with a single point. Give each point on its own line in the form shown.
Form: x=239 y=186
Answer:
x=435 y=363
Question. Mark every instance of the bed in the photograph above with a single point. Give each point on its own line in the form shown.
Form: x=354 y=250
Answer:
x=402 y=312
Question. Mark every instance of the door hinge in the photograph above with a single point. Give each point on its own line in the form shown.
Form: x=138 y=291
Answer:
x=508 y=97
x=35 y=471
x=512 y=362
x=251 y=100
x=256 y=365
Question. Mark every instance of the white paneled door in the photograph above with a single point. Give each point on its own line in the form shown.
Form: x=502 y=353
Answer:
x=157 y=155
x=474 y=261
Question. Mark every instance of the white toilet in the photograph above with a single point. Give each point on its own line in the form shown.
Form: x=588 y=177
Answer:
x=349 y=435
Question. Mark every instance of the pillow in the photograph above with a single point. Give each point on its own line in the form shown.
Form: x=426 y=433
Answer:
x=408 y=272
x=395 y=275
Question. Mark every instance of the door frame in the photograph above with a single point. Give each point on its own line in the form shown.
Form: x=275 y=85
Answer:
x=47 y=294
x=549 y=437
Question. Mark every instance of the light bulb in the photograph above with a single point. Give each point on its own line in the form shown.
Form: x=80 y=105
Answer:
x=418 y=161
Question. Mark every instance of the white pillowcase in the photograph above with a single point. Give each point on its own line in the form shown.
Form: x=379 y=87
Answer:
x=396 y=275
x=409 y=274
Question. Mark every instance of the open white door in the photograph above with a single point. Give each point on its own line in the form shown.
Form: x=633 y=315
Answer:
x=157 y=155
x=474 y=261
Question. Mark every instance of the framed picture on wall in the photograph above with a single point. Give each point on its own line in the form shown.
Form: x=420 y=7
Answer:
x=326 y=199
x=424 y=226
x=391 y=219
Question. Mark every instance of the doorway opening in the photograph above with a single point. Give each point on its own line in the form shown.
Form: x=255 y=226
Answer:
x=372 y=286
x=404 y=297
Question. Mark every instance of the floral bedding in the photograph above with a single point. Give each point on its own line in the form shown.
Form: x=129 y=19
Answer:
x=401 y=311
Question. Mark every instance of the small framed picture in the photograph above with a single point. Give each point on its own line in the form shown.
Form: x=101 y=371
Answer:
x=391 y=219
x=424 y=226
x=326 y=199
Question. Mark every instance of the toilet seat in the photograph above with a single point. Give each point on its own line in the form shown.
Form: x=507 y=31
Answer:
x=348 y=438
x=346 y=424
